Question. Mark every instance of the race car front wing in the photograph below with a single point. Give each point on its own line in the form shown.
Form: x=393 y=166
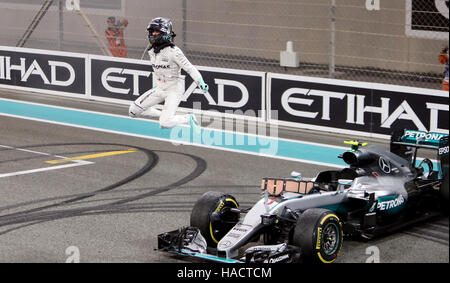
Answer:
x=188 y=242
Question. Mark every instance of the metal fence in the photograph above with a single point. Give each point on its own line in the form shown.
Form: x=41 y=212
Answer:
x=387 y=41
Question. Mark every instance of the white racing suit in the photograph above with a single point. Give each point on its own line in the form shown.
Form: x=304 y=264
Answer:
x=167 y=66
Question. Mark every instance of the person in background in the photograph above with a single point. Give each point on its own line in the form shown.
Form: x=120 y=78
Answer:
x=114 y=36
x=443 y=59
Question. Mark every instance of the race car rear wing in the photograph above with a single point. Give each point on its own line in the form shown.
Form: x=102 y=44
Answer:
x=402 y=141
x=421 y=139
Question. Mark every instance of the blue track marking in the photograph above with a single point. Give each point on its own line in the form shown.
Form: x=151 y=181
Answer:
x=217 y=139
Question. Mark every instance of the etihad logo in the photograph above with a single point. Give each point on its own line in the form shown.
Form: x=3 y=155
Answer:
x=297 y=101
x=118 y=75
x=28 y=70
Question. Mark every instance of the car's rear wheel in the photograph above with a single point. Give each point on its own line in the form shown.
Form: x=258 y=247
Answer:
x=212 y=215
x=318 y=233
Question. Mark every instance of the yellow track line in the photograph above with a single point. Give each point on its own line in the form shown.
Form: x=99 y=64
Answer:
x=91 y=156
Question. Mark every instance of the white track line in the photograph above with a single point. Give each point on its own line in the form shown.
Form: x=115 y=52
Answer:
x=37 y=170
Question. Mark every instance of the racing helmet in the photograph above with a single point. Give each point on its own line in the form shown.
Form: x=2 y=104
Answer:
x=164 y=26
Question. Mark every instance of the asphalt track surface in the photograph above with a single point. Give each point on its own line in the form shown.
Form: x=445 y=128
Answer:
x=126 y=190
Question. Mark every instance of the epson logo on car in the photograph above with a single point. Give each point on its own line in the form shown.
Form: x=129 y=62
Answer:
x=443 y=150
x=390 y=204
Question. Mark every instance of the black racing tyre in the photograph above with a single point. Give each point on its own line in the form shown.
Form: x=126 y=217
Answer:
x=212 y=229
x=318 y=233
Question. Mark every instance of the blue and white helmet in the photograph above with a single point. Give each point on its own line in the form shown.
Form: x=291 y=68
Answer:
x=164 y=26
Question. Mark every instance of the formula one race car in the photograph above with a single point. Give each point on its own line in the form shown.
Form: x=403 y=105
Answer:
x=305 y=220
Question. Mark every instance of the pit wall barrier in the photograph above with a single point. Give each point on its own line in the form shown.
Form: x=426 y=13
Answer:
x=338 y=106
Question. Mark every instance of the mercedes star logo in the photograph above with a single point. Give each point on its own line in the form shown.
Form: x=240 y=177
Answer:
x=385 y=166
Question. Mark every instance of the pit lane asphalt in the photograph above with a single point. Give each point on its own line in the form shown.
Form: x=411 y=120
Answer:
x=113 y=207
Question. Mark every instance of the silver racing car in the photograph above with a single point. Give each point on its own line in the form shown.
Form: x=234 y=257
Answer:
x=302 y=219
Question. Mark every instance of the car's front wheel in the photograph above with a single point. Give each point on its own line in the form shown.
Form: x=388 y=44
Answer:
x=212 y=214
x=318 y=233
